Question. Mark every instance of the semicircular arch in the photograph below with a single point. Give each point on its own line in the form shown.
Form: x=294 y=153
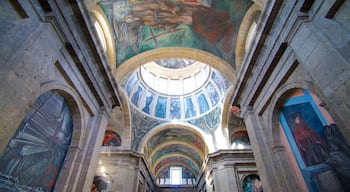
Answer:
x=175 y=52
x=170 y=125
x=175 y=155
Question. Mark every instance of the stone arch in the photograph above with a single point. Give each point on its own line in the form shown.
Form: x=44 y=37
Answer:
x=249 y=18
x=173 y=52
x=101 y=19
x=250 y=176
x=186 y=126
x=226 y=113
x=112 y=138
x=276 y=106
x=76 y=107
x=176 y=52
x=55 y=139
x=126 y=118
x=282 y=153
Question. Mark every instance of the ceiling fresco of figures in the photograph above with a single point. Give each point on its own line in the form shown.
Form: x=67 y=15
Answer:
x=160 y=100
x=207 y=25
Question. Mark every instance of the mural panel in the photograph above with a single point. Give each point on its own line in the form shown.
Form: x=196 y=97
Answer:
x=137 y=95
x=176 y=134
x=179 y=149
x=111 y=138
x=213 y=94
x=319 y=148
x=175 y=108
x=131 y=83
x=148 y=102
x=34 y=156
x=161 y=107
x=203 y=103
x=139 y=26
x=252 y=183
x=190 y=110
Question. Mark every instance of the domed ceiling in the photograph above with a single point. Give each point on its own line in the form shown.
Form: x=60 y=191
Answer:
x=180 y=94
x=184 y=95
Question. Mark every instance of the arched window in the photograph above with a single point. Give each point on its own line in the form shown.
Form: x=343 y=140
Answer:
x=34 y=156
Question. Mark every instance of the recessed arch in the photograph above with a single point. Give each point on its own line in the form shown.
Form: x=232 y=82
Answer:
x=279 y=141
x=100 y=18
x=165 y=145
x=175 y=155
x=178 y=163
x=170 y=125
x=75 y=105
x=44 y=140
x=249 y=18
x=277 y=103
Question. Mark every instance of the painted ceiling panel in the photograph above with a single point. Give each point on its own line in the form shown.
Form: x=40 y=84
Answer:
x=188 y=97
x=177 y=135
x=176 y=149
x=176 y=160
x=139 y=26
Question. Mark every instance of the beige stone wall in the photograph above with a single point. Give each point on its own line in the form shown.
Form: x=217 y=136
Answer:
x=298 y=46
x=126 y=170
x=225 y=171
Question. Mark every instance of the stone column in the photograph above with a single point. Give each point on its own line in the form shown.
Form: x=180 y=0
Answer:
x=262 y=153
x=274 y=166
x=87 y=161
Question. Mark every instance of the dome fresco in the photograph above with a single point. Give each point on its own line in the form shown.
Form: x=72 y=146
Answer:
x=175 y=93
x=175 y=63
x=207 y=25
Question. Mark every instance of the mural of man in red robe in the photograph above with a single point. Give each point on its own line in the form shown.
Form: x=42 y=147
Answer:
x=310 y=144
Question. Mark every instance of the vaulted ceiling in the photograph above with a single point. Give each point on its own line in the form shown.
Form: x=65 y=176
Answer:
x=175 y=101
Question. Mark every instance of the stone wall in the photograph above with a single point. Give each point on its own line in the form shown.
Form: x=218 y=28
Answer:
x=126 y=170
x=46 y=46
x=300 y=44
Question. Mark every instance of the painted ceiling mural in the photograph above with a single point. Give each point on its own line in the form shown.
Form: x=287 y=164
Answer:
x=178 y=150
x=175 y=146
x=176 y=134
x=196 y=103
x=175 y=142
x=176 y=160
x=207 y=25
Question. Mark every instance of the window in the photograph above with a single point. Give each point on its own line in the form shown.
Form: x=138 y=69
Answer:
x=175 y=175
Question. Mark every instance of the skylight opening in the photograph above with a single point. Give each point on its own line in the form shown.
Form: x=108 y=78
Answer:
x=175 y=82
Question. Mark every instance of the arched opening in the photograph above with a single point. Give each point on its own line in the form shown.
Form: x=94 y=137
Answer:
x=252 y=183
x=111 y=139
x=315 y=142
x=34 y=156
